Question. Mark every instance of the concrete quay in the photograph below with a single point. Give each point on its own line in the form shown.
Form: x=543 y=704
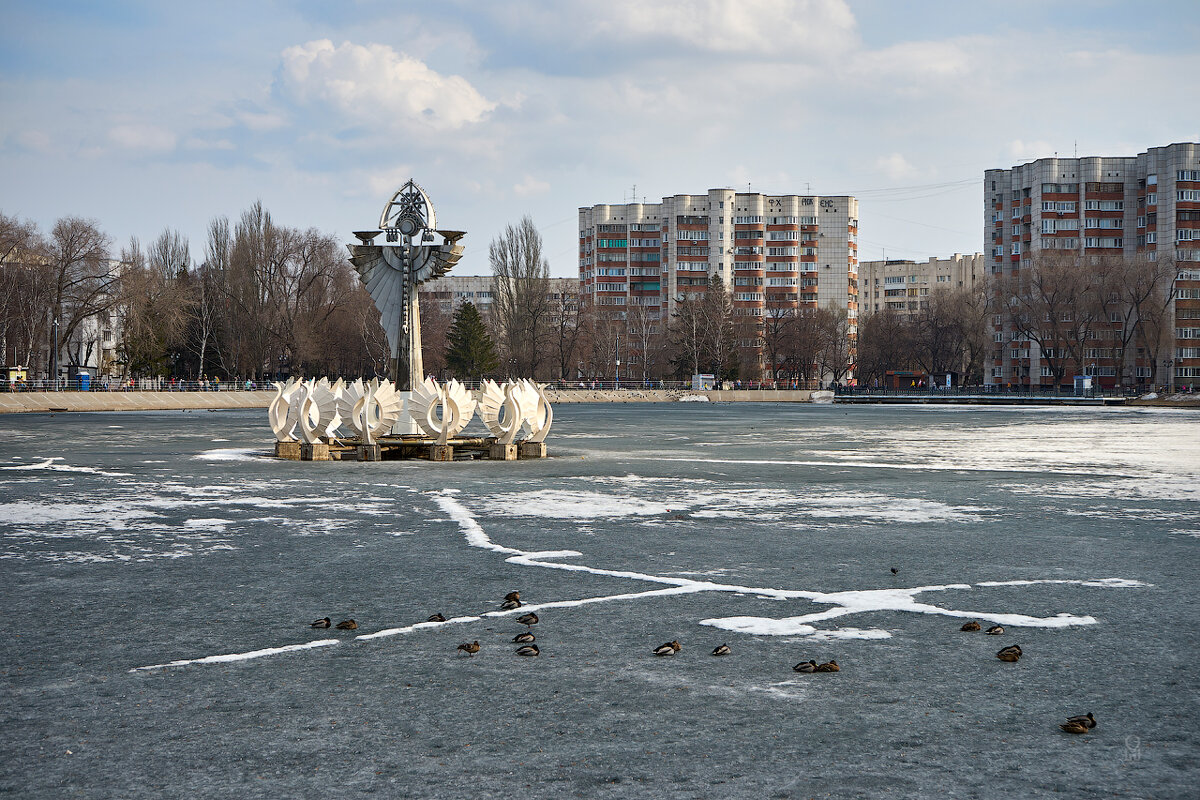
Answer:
x=44 y=402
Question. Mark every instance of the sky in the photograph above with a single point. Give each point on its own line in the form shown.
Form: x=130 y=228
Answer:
x=149 y=115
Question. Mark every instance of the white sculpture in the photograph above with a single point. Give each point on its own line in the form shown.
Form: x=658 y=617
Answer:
x=283 y=412
x=319 y=417
x=538 y=421
x=495 y=401
x=378 y=400
x=456 y=404
x=524 y=406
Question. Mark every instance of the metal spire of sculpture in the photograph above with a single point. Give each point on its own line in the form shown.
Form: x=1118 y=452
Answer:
x=391 y=272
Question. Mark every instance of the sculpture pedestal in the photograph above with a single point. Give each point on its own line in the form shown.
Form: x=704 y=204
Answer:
x=441 y=452
x=289 y=450
x=369 y=452
x=318 y=451
x=533 y=449
x=502 y=452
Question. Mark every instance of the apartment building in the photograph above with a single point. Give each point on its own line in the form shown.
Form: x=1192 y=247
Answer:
x=905 y=286
x=451 y=291
x=774 y=253
x=1143 y=206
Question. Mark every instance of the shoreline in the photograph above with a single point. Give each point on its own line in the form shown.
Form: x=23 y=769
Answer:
x=61 y=402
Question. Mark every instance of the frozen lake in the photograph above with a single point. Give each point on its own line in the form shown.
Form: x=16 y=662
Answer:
x=159 y=575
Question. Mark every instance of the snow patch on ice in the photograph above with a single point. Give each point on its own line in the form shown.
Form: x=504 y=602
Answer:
x=231 y=657
x=559 y=504
x=49 y=464
x=230 y=454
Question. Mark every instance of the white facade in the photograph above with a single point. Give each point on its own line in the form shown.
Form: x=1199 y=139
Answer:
x=905 y=286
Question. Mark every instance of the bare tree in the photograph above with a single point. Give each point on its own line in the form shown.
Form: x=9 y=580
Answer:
x=883 y=346
x=520 y=295
x=834 y=342
x=26 y=287
x=435 y=326
x=1138 y=287
x=84 y=284
x=569 y=327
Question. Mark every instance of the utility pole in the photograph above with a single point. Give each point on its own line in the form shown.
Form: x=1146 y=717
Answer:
x=54 y=356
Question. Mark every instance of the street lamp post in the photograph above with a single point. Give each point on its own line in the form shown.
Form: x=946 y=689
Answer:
x=1167 y=366
x=617 y=371
x=54 y=356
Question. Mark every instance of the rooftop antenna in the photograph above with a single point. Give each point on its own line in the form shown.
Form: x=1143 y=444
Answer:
x=1076 y=148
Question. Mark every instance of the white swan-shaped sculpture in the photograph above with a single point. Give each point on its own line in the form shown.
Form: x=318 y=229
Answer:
x=496 y=400
x=456 y=405
x=540 y=416
x=380 y=401
x=319 y=417
x=283 y=413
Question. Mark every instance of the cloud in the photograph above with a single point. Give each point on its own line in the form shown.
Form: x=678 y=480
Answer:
x=785 y=28
x=896 y=167
x=140 y=136
x=530 y=186
x=374 y=82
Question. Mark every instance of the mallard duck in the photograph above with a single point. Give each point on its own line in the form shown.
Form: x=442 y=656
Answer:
x=995 y=630
x=347 y=625
x=668 y=649
x=470 y=649
x=524 y=638
x=321 y=623
x=971 y=626
x=1086 y=719
x=1009 y=654
x=828 y=666
x=513 y=596
x=805 y=666
x=436 y=618
x=723 y=650
x=1074 y=727
x=528 y=619
x=509 y=605
x=528 y=650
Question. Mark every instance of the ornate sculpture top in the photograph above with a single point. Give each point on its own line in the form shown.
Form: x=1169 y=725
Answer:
x=392 y=271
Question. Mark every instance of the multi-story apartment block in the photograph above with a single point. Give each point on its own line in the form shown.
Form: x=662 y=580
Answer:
x=905 y=286
x=451 y=291
x=774 y=253
x=1144 y=206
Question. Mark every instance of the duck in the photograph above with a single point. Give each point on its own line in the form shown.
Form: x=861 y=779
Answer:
x=524 y=638
x=723 y=650
x=321 y=623
x=513 y=596
x=470 y=649
x=805 y=666
x=528 y=619
x=828 y=666
x=436 y=618
x=528 y=650
x=509 y=605
x=971 y=626
x=1009 y=654
x=995 y=630
x=1074 y=727
x=895 y=571
x=668 y=649
x=1085 y=719
x=347 y=625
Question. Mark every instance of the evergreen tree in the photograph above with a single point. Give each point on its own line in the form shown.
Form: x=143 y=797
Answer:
x=471 y=353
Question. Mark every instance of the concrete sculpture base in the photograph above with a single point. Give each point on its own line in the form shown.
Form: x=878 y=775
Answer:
x=502 y=452
x=369 y=452
x=532 y=449
x=317 y=451
x=441 y=452
x=288 y=450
